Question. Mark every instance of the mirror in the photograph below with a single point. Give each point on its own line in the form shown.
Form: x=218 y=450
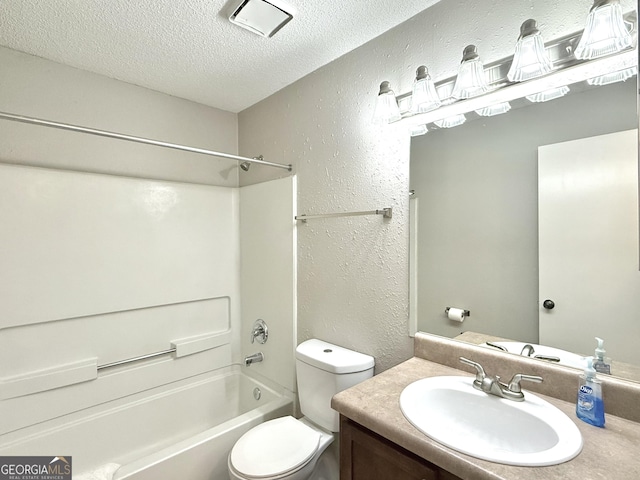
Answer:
x=474 y=220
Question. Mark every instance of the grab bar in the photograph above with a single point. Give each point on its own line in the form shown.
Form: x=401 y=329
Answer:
x=87 y=369
x=135 y=359
x=182 y=347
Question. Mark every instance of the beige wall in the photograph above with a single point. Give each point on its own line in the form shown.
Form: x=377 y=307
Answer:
x=353 y=272
x=36 y=87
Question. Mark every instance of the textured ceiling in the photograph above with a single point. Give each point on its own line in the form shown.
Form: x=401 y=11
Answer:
x=187 y=48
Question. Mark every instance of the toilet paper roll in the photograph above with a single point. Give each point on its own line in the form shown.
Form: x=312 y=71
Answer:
x=456 y=314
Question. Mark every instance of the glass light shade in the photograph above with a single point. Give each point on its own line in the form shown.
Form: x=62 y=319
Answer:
x=424 y=96
x=470 y=81
x=386 y=110
x=613 y=77
x=417 y=130
x=497 y=109
x=605 y=32
x=530 y=59
x=452 y=121
x=547 y=95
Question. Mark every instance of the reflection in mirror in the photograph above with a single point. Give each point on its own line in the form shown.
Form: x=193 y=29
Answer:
x=476 y=238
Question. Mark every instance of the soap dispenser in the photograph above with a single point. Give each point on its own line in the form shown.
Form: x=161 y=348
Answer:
x=601 y=363
x=590 y=406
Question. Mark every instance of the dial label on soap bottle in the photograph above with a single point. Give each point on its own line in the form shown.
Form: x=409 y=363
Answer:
x=585 y=398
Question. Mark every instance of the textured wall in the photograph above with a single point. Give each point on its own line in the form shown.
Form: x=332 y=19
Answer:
x=353 y=272
x=351 y=285
x=40 y=88
x=198 y=53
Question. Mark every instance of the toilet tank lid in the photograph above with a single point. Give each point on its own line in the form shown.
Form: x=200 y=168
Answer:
x=333 y=358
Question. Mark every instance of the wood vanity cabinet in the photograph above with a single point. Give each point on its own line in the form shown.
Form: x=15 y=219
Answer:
x=365 y=455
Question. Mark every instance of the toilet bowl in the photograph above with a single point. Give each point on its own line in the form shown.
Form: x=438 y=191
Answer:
x=284 y=448
x=296 y=449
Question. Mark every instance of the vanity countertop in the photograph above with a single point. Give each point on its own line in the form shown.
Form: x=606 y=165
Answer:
x=608 y=453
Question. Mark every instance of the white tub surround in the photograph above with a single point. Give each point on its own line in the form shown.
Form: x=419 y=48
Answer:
x=98 y=269
x=193 y=422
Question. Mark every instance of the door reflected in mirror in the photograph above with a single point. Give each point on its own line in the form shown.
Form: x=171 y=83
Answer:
x=476 y=230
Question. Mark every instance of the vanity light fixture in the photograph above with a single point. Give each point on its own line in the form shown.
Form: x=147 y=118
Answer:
x=619 y=76
x=387 y=109
x=530 y=59
x=488 y=92
x=605 y=32
x=452 y=121
x=495 y=109
x=547 y=95
x=424 y=96
x=470 y=81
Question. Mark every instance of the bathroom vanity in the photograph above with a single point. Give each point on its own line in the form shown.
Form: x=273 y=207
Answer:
x=365 y=455
x=378 y=442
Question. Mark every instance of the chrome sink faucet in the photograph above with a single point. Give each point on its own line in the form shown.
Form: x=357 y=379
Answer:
x=494 y=386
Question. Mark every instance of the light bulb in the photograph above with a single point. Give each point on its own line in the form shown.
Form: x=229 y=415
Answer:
x=547 y=95
x=605 y=32
x=418 y=130
x=613 y=77
x=530 y=59
x=386 y=110
x=470 y=81
x=451 y=122
x=497 y=109
x=424 y=96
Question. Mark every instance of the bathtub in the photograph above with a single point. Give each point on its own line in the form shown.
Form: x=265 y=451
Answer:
x=182 y=431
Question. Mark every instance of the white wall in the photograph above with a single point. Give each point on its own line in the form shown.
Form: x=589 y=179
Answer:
x=32 y=86
x=353 y=272
x=79 y=244
x=590 y=269
x=98 y=269
x=268 y=276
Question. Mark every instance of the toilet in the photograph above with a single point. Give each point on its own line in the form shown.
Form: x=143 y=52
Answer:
x=296 y=449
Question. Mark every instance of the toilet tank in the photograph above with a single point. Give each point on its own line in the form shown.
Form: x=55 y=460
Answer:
x=322 y=370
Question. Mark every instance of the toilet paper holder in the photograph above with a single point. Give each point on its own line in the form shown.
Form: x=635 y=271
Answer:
x=467 y=313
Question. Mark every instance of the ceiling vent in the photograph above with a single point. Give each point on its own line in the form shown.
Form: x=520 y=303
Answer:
x=261 y=16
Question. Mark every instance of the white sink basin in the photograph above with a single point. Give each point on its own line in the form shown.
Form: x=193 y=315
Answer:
x=528 y=433
x=569 y=359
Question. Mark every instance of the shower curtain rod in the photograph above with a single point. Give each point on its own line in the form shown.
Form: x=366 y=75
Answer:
x=130 y=138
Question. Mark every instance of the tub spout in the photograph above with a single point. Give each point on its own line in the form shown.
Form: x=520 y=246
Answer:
x=256 y=357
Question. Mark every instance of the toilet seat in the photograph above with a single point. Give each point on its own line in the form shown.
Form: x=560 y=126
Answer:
x=274 y=449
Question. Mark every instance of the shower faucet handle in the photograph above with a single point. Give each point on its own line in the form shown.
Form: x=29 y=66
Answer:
x=260 y=332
